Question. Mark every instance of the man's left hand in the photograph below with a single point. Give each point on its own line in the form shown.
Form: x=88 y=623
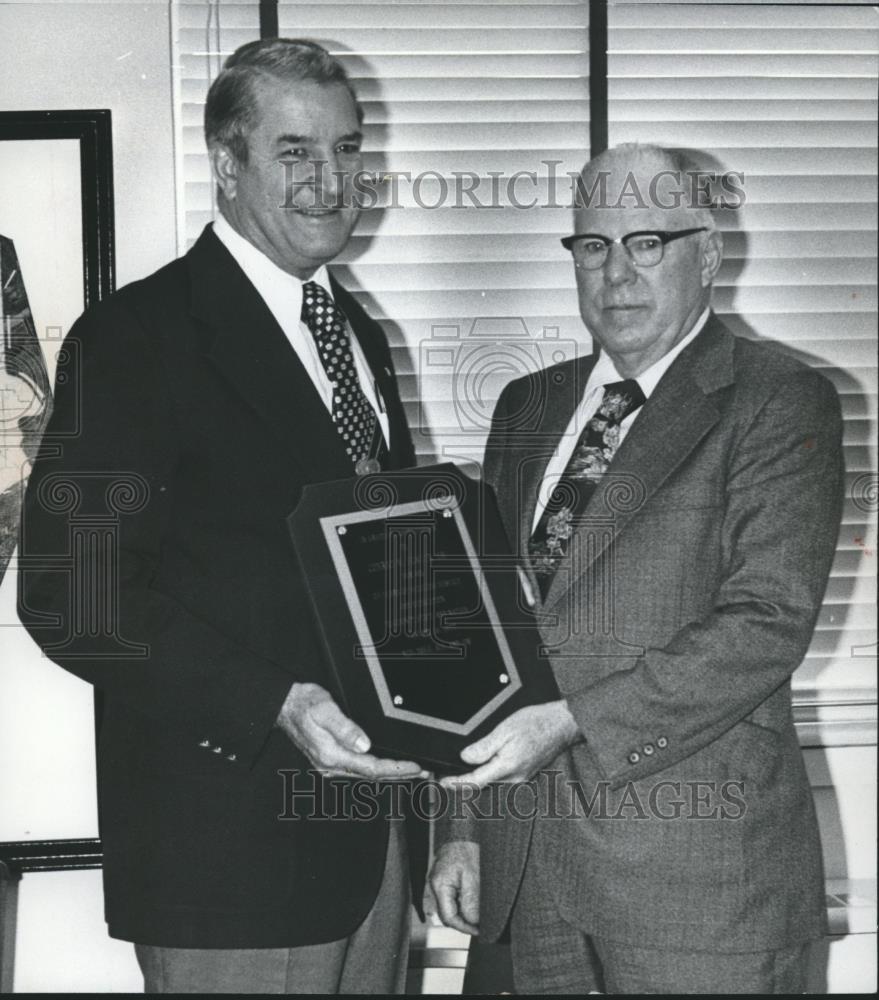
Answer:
x=517 y=748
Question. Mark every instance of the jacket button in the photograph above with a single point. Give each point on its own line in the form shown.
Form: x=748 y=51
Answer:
x=232 y=756
x=662 y=743
x=648 y=749
x=205 y=744
x=634 y=757
x=217 y=749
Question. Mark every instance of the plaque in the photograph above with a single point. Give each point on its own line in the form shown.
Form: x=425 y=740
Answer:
x=416 y=598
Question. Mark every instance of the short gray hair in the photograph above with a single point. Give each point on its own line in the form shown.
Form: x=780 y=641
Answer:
x=231 y=105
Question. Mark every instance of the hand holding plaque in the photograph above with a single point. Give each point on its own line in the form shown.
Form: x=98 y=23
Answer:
x=333 y=743
x=416 y=598
x=520 y=745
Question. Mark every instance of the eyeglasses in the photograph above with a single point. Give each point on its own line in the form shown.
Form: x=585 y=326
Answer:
x=645 y=247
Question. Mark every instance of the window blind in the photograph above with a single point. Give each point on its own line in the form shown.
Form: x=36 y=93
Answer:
x=787 y=95
x=471 y=297
x=456 y=94
x=201 y=40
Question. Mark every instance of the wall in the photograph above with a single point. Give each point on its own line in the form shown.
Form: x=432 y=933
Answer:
x=105 y=55
x=70 y=55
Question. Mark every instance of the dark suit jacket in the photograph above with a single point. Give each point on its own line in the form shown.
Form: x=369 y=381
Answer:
x=688 y=598
x=191 y=396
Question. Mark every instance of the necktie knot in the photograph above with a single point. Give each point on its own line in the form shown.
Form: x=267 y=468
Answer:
x=319 y=312
x=621 y=399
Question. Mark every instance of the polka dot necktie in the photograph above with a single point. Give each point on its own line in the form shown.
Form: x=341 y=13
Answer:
x=353 y=414
x=588 y=463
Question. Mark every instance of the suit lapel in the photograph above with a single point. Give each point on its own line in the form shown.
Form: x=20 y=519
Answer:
x=679 y=413
x=244 y=342
x=562 y=389
x=372 y=343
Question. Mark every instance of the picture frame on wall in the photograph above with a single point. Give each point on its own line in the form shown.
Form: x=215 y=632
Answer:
x=56 y=259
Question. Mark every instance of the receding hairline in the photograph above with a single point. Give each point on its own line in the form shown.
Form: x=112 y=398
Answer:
x=671 y=159
x=635 y=156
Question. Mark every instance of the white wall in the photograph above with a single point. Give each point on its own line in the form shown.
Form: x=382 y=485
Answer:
x=116 y=55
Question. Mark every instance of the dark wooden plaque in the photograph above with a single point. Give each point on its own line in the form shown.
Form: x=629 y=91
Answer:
x=416 y=596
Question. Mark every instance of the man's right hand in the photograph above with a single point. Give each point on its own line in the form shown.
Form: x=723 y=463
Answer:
x=332 y=742
x=454 y=882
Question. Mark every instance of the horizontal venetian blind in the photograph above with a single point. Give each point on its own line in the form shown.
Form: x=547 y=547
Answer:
x=202 y=38
x=458 y=95
x=787 y=95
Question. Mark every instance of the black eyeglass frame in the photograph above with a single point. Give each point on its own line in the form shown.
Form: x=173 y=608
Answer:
x=663 y=235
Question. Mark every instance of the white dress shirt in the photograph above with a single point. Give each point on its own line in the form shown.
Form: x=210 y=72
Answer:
x=282 y=293
x=604 y=371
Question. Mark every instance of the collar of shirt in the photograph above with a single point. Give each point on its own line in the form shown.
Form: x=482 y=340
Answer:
x=282 y=293
x=604 y=371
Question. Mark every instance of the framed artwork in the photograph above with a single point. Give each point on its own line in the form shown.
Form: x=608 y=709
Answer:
x=56 y=258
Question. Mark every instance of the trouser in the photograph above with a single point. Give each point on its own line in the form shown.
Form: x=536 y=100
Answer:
x=371 y=960
x=551 y=955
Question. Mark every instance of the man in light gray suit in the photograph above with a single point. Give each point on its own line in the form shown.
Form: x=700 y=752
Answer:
x=675 y=508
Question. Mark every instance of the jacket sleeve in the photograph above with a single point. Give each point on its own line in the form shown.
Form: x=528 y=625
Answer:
x=779 y=531
x=114 y=442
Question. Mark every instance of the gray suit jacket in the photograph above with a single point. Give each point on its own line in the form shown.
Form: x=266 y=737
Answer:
x=687 y=599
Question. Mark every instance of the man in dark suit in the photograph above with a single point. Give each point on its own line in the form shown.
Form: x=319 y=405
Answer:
x=209 y=394
x=675 y=509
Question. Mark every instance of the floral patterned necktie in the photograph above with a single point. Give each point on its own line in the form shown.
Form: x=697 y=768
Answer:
x=588 y=463
x=353 y=414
